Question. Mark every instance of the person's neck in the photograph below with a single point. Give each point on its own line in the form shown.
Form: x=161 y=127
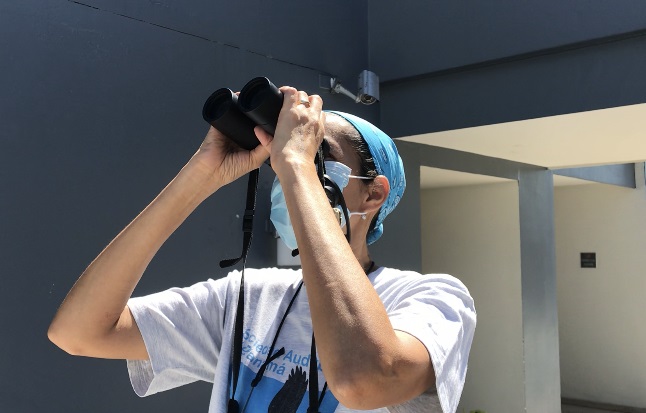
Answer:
x=362 y=255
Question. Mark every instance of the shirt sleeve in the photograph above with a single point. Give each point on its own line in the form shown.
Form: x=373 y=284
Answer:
x=440 y=313
x=182 y=330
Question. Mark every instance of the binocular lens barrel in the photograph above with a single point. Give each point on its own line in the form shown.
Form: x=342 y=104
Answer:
x=259 y=103
x=217 y=104
x=221 y=111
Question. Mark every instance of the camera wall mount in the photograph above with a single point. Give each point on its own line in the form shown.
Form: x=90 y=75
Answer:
x=368 y=87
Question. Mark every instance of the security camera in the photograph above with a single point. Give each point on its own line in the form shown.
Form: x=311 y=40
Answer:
x=368 y=86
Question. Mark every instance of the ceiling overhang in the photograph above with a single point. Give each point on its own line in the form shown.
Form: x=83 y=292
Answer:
x=600 y=137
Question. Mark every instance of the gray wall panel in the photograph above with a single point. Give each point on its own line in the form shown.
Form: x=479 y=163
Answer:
x=622 y=174
x=444 y=34
x=99 y=112
x=586 y=79
x=328 y=36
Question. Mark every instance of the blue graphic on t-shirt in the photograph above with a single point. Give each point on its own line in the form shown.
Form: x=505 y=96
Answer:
x=274 y=396
x=284 y=384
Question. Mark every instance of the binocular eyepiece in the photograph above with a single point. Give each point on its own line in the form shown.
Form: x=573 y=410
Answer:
x=258 y=104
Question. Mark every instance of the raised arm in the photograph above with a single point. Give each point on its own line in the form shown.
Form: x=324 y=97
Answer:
x=94 y=319
x=366 y=362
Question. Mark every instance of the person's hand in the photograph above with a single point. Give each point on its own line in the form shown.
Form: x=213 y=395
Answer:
x=299 y=132
x=219 y=161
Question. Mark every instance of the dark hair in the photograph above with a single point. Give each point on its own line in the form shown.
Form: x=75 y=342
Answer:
x=346 y=130
x=366 y=161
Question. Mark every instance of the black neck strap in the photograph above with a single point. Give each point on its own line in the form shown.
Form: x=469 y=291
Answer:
x=247 y=221
x=314 y=381
x=271 y=356
x=236 y=354
x=247 y=228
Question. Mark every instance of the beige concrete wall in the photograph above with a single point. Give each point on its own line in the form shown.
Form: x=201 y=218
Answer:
x=473 y=233
x=602 y=311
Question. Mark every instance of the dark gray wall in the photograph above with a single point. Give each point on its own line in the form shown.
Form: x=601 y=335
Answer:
x=413 y=37
x=328 y=37
x=100 y=107
x=598 y=77
x=450 y=65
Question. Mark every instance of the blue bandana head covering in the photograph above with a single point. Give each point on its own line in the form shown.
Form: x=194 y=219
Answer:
x=388 y=163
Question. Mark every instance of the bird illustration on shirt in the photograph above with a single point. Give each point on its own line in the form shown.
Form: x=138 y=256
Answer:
x=289 y=397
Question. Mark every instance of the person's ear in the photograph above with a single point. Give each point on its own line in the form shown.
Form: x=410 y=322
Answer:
x=378 y=192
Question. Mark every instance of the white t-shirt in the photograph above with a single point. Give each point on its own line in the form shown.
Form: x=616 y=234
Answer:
x=189 y=336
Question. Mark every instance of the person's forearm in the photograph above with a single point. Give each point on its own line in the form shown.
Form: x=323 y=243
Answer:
x=355 y=340
x=92 y=308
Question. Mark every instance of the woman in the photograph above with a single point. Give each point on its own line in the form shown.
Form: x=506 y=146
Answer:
x=382 y=336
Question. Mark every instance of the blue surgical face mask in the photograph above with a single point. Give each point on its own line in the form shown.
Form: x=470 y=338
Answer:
x=280 y=216
x=338 y=172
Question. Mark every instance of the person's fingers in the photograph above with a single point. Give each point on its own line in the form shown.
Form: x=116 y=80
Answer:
x=260 y=153
x=302 y=99
x=316 y=102
x=263 y=136
x=213 y=135
x=288 y=96
x=321 y=129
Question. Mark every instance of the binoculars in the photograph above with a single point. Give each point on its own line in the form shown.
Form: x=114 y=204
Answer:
x=258 y=104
